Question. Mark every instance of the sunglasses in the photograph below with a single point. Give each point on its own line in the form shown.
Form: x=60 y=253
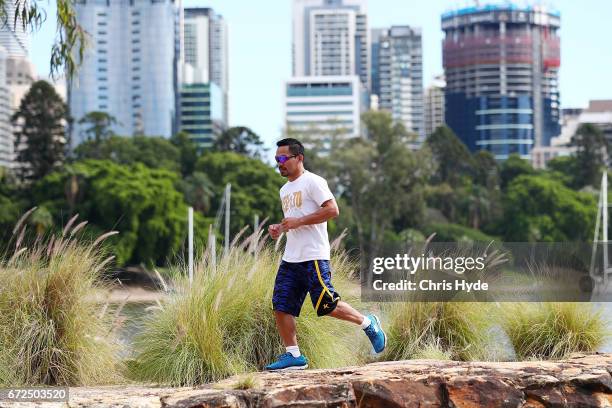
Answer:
x=282 y=159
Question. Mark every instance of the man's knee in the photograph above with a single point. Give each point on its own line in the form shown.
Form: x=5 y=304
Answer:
x=327 y=306
x=284 y=315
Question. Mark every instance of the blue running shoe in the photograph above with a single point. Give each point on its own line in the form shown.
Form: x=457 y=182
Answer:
x=288 y=362
x=375 y=333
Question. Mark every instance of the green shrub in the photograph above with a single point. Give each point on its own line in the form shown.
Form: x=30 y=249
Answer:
x=223 y=323
x=444 y=330
x=552 y=330
x=51 y=331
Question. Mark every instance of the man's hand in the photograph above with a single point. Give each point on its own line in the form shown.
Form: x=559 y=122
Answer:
x=274 y=230
x=291 y=223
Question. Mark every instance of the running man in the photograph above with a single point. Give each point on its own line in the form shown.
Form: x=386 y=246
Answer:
x=307 y=205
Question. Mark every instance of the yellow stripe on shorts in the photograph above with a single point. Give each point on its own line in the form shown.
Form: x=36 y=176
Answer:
x=325 y=288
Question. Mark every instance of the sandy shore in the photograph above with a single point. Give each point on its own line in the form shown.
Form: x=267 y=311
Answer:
x=128 y=294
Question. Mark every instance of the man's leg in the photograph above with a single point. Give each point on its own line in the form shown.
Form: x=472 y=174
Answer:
x=286 y=328
x=344 y=311
x=326 y=301
x=370 y=324
x=292 y=359
x=290 y=289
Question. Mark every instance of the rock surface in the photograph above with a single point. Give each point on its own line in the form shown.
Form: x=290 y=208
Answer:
x=581 y=381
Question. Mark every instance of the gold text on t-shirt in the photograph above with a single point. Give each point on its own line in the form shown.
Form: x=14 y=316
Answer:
x=292 y=200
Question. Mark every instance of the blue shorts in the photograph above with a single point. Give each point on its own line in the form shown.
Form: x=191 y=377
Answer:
x=293 y=280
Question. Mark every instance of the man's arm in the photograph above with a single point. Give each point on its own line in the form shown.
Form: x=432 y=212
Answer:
x=329 y=209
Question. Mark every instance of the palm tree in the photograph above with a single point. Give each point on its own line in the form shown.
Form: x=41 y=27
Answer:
x=198 y=191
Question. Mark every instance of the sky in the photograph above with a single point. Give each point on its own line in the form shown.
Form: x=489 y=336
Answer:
x=260 y=50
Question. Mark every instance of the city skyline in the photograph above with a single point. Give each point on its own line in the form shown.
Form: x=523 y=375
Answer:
x=260 y=52
x=121 y=74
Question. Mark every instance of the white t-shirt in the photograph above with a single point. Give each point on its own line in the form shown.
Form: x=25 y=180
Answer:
x=301 y=197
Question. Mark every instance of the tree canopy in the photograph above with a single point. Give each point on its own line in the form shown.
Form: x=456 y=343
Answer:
x=513 y=167
x=451 y=155
x=388 y=191
x=592 y=155
x=537 y=208
x=141 y=203
x=239 y=139
x=153 y=152
x=99 y=126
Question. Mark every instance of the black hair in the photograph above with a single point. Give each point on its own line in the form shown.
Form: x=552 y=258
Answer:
x=295 y=146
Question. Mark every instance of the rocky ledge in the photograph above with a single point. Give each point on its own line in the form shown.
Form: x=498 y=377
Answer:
x=580 y=381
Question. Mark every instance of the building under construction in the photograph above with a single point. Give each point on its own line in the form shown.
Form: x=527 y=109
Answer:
x=501 y=64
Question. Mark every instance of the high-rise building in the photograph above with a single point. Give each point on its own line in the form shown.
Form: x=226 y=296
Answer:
x=13 y=35
x=501 y=65
x=397 y=75
x=130 y=69
x=20 y=75
x=434 y=105
x=201 y=112
x=6 y=132
x=14 y=46
x=331 y=37
x=323 y=106
x=205 y=50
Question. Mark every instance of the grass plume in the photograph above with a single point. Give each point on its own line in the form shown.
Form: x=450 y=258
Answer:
x=50 y=330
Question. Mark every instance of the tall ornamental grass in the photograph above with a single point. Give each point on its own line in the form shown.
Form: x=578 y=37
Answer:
x=51 y=332
x=437 y=330
x=443 y=330
x=223 y=323
x=553 y=330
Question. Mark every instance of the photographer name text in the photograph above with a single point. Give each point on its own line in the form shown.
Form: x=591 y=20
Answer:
x=429 y=285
